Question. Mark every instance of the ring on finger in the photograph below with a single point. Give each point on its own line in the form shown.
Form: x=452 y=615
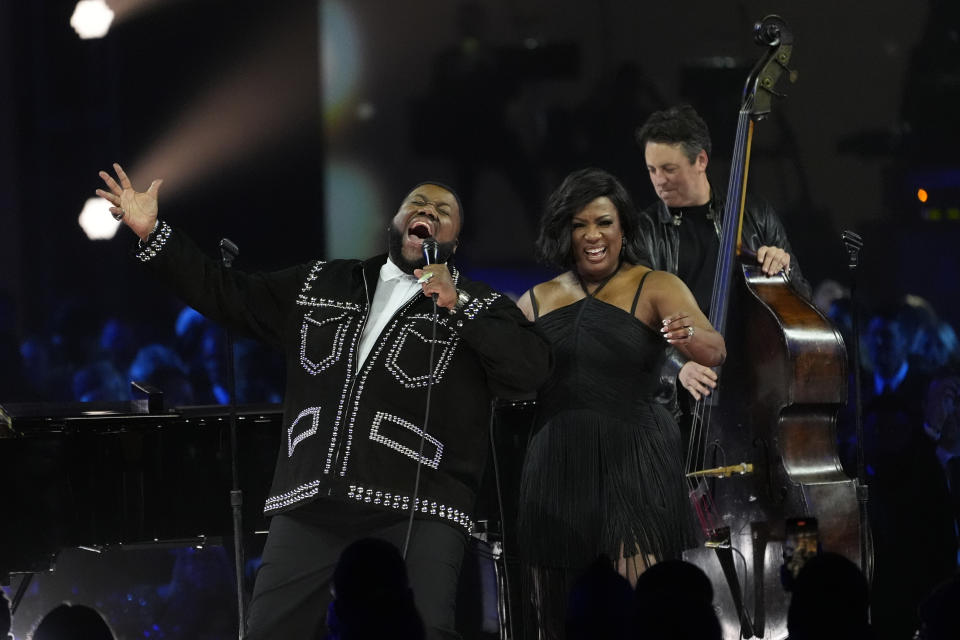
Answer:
x=118 y=216
x=690 y=331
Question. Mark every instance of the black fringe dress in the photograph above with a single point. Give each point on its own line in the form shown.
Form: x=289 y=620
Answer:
x=604 y=470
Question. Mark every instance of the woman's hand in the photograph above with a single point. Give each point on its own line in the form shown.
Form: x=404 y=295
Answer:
x=678 y=328
x=138 y=210
x=683 y=325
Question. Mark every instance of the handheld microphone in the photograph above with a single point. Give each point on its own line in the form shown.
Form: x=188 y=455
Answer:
x=430 y=249
x=228 y=252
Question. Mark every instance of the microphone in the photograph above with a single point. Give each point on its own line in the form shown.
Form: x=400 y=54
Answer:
x=430 y=248
x=228 y=252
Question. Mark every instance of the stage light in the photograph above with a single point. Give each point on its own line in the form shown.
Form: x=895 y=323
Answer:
x=91 y=19
x=96 y=221
x=342 y=61
x=260 y=99
x=354 y=206
x=922 y=195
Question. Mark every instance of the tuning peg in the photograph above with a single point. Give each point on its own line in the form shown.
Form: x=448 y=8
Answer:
x=768 y=86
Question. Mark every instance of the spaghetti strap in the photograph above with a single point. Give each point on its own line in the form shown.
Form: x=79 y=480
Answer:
x=636 y=297
x=536 y=307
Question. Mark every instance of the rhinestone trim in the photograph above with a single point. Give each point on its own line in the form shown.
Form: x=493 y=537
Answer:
x=479 y=304
x=449 y=344
x=302 y=492
x=148 y=251
x=364 y=374
x=292 y=441
x=311 y=276
x=336 y=349
x=370 y=495
x=312 y=301
x=375 y=435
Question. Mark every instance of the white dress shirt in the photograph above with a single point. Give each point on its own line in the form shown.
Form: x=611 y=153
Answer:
x=394 y=289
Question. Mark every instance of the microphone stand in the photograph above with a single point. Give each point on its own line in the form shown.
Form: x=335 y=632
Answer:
x=228 y=253
x=854 y=243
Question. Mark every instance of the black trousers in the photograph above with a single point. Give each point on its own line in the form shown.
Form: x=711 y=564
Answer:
x=292 y=588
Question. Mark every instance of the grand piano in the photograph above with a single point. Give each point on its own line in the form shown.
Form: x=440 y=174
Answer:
x=140 y=475
x=98 y=475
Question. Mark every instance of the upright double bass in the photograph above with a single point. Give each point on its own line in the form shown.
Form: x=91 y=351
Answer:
x=763 y=445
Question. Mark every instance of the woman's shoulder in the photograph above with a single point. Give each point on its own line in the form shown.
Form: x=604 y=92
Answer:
x=550 y=288
x=634 y=274
x=634 y=271
x=654 y=283
x=553 y=293
x=652 y=277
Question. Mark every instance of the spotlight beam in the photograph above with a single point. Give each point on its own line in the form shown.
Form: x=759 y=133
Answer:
x=255 y=103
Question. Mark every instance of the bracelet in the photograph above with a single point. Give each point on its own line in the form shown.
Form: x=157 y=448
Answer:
x=463 y=299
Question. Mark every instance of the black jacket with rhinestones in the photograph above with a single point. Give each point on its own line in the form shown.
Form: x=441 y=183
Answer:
x=356 y=436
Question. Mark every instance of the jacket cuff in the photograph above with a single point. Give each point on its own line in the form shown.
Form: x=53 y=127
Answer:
x=469 y=310
x=666 y=392
x=672 y=365
x=148 y=250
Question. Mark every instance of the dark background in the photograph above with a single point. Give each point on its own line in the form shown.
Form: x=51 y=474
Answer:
x=558 y=85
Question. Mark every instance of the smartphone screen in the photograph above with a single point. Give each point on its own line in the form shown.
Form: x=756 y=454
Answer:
x=800 y=544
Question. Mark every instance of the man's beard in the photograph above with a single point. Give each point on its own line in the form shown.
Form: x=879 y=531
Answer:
x=395 y=244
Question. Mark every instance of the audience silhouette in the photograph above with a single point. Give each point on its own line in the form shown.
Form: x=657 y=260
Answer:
x=100 y=382
x=372 y=596
x=830 y=601
x=599 y=604
x=72 y=622
x=911 y=516
x=939 y=615
x=160 y=366
x=674 y=599
x=5 y=621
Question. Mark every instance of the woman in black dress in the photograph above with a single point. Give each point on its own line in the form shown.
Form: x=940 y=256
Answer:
x=603 y=473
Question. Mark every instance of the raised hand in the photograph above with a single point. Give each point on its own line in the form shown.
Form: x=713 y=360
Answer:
x=137 y=209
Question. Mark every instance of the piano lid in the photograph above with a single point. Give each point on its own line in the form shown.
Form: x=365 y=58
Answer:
x=38 y=418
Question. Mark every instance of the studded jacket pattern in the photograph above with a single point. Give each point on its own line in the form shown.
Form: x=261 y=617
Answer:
x=354 y=434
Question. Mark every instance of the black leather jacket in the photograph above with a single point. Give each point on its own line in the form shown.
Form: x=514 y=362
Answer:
x=661 y=238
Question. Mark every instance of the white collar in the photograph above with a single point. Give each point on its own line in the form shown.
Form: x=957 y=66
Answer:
x=390 y=271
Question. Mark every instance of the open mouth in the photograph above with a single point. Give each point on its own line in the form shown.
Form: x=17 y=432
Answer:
x=595 y=253
x=420 y=229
